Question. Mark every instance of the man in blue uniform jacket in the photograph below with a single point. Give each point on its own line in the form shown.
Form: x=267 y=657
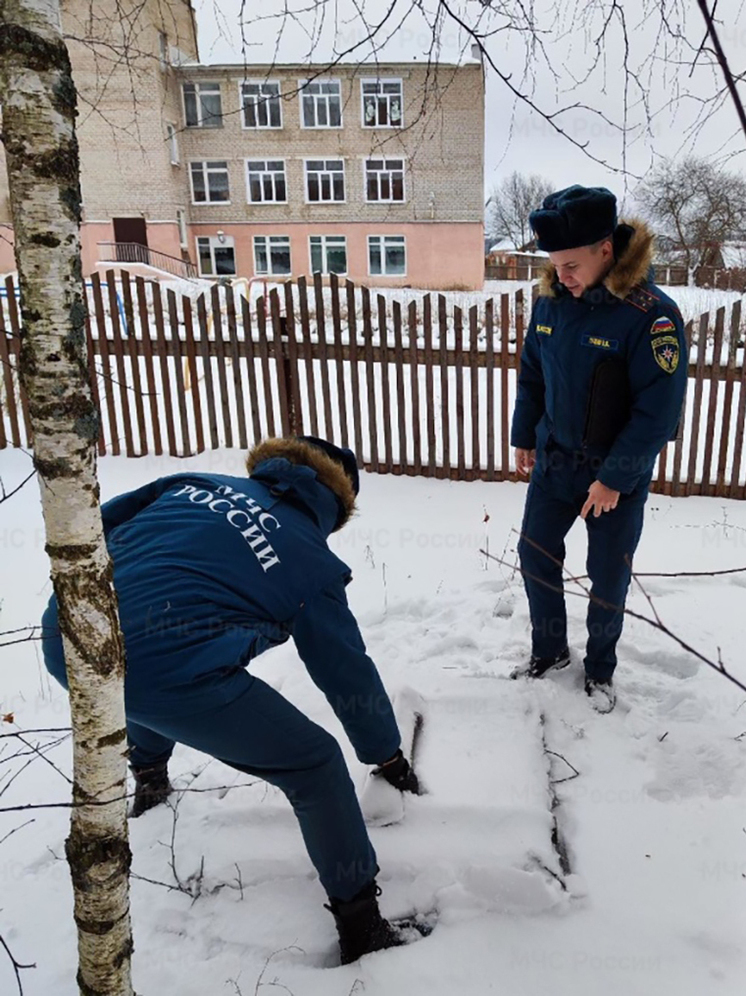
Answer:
x=600 y=391
x=209 y=572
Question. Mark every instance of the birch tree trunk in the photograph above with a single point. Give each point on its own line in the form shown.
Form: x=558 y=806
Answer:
x=39 y=100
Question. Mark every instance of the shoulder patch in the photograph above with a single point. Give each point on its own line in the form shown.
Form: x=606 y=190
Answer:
x=662 y=325
x=642 y=299
x=666 y=352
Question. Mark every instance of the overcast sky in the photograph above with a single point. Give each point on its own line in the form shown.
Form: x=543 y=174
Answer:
x=558 y=65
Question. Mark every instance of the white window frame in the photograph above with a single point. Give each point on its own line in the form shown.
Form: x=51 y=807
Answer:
x=265 y=171
x=259 y=82
x=200 y=121
x=173 y=143
x=181 y=224
x=388 y=79
x=385 y=160
x=324 y=250
x=302 y=84
x=228 y=243
x=383 y=272
x=270 y=272
x=206 y=171
x=324 y=159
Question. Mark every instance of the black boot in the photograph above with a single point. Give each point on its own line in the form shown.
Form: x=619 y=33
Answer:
x=151 y=787
x=360 y=925
x=537 y=667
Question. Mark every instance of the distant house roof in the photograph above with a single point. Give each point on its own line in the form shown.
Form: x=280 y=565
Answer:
x=733 y=255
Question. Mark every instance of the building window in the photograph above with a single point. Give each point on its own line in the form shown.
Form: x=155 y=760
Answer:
x=321 y=101
x=181 y=222
x=272 y=255
x=328 y=253
x=202 y=105
x=210 y=182
x=173 y=144
x=163 y=49
x=216 y=258
x=387 y=255
x=325 y=180
x=384 y=179
x=382 y=103
x=261 y=104
x=266 y=181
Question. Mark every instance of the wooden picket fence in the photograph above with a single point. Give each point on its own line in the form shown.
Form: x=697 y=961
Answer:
x=421 y=387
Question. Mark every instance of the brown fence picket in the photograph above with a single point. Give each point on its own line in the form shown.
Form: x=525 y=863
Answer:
x=676 y=483
x=458 y=333
x=263 y=350
x=735 y=490
x=278 y=353
x=8 y=379
x=191 y=361
x=708 y=485
x=148 y=359
x=339 y=357
x=173 y=321
x=489 y=326
x=444 y=387
x=248 y=339
x=217 y=328
x=385 y=354
x=117 y=347
x=15 y=325
x=160 y=332
x=134 y=357
x=427 y=329
x=704 y=323
x=504 y=474
x=323 y=355
x=204 y=345
x=230 y=309
x=370 y=377
x=414 y=387
x=296 y=405
x=92 y=373
x=354 y=371
x=401 y=410
x=730 y=376
x=106 y=375
x=305 y=322
x=474 y=377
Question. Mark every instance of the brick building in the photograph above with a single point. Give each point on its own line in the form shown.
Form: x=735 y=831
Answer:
x=373 y=171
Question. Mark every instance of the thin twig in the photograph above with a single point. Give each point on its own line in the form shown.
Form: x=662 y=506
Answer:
x=17 y=966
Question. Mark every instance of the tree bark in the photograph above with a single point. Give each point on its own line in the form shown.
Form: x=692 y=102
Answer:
x=39 y=107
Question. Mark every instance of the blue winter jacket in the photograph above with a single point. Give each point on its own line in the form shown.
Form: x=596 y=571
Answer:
x=210 y=571
x=626 y=317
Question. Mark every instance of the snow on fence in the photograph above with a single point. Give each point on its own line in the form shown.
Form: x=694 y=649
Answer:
x=421 y=387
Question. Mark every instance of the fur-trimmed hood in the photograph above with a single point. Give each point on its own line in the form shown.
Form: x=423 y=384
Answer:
x=632 y=266
x=299 y=466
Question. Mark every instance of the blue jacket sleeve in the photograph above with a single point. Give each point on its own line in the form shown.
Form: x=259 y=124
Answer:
x=529 y=405
x=330 y=645
x=657 y=368
x=125 y=507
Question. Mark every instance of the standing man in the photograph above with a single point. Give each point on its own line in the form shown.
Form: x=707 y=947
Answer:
x=601 y=386
x=210 y=571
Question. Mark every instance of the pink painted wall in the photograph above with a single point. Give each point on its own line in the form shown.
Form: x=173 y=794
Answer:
x=440 y=256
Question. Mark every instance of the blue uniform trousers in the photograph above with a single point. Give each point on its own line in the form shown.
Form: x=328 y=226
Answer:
x=557 y=492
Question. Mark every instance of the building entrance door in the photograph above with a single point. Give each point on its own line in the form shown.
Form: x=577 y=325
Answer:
x=131 y=236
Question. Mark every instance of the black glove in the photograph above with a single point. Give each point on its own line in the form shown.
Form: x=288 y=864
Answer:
x=151 y=787
x=398 y=772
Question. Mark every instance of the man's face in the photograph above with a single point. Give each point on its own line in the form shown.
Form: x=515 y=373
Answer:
x=584 y=267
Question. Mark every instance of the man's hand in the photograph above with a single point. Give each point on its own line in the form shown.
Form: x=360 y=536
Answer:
x=398 y=772
x=600 y=499
x=524 y=460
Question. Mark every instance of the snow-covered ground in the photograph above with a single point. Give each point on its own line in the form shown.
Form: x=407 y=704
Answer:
x=653 y=820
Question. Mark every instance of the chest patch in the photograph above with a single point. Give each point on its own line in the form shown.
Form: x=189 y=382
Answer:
x=544 y=329
x=612 y=345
